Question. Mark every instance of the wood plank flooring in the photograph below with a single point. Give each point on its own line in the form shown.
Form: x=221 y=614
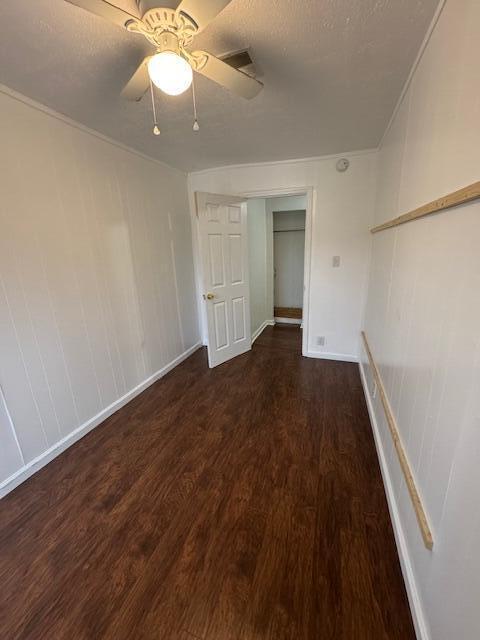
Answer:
x=239 y=503
x=288 y=312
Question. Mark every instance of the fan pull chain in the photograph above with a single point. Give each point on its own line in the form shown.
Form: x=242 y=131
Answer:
x=156 y=128
x=196 y=126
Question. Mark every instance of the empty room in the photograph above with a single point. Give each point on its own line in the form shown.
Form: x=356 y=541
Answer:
x=239 y=320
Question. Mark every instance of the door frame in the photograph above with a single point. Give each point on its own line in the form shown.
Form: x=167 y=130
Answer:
x=273 y=192
x=309 y=192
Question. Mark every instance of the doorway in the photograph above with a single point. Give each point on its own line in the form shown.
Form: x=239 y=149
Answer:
x=277 y=240
x=288 y=260
x=236 y=251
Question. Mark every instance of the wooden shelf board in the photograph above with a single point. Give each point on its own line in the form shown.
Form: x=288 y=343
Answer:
x=466 y=194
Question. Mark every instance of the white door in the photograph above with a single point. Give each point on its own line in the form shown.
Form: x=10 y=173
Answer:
x=224 y=258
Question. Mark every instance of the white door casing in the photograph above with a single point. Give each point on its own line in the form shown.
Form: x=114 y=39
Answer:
x=222 y=223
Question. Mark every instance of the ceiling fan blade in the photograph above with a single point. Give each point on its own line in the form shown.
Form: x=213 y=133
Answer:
x=138 y=84
x=202 y=12
x=105 y=10
x=225 y=75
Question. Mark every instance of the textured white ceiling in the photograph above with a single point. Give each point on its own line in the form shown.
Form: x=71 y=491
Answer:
x=333 y=71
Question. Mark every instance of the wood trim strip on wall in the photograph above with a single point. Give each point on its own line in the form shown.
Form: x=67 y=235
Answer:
x=402 y=456
x=467 y=194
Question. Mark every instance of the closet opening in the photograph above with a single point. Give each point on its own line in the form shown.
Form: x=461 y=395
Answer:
x=278 y=232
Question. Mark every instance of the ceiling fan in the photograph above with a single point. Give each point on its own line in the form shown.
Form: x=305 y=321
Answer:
x=171 y=31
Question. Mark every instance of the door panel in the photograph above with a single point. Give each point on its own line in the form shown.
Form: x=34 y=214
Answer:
x=213 y=213
x=224 y=257
x=236 y=259
x=216 y=259
x=238 y=306
x=221 y=324
x=234 y=215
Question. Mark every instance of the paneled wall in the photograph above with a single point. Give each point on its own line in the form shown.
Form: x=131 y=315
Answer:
x=423 y=324
x=96 y=278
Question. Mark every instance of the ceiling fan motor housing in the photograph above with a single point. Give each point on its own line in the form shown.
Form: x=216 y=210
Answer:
x=171 y=29
x=146 y=5
x=165 y=28
x=169 y=42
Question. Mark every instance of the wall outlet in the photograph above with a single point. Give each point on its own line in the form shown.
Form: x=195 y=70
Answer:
x=374 y=390
x=336 y=261
x=321 y=341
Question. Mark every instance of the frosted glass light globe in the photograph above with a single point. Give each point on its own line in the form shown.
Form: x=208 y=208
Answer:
x=170 y=72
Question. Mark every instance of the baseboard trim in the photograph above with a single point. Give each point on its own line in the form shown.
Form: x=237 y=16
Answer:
x=327 y=355
x=288 y=320
x=47 y=456
x=421 y=628
x=266 y=323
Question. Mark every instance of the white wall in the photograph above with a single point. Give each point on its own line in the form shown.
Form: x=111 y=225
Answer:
x=287 y=203
x=423 y=319
x=342 y=215
x=288 y=220
x=259 y=223
x=96 y=279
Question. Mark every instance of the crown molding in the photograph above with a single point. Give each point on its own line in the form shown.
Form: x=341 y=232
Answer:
x=11 y=93
x=272 y=163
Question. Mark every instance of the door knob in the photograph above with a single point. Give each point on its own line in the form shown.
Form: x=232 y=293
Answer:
x=209 y=296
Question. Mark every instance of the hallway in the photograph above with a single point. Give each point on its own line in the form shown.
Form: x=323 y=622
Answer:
x=239 y=503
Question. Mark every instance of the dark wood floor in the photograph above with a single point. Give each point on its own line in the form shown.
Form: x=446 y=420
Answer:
x=288 y=312
x=240 y=503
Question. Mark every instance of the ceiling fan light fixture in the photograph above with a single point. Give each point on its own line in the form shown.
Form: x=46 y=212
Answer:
x=170 y=72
